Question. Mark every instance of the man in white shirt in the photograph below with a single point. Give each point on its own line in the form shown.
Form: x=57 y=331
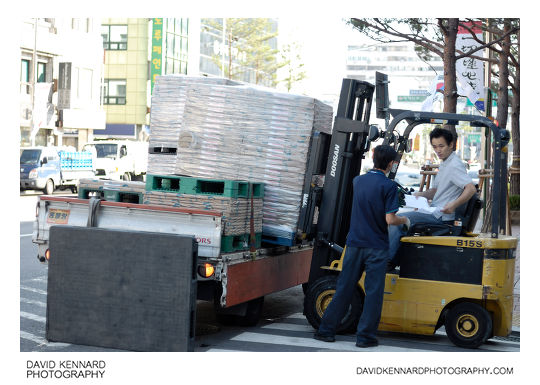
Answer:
x=451 y=188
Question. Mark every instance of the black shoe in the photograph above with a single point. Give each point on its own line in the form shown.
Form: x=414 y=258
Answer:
x=369 y=344
x=320 y=337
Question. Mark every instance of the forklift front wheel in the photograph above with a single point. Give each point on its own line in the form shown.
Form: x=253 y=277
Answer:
x=468 y=325
x=319 y=296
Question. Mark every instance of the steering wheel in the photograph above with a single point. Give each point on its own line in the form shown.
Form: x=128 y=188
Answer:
x=405 y=190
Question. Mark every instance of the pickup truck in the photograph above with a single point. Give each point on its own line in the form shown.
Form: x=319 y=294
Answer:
x=48 y=168
x=235 y=281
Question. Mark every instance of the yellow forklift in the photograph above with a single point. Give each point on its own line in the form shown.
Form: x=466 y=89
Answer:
x=448 y=275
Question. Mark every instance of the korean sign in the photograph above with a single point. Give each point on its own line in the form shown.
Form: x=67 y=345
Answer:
x=157 y=45
x=470 y=71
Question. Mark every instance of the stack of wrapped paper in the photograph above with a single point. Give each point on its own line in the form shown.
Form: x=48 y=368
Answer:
x=167 y=117
x=236 y=212
x=243 y=132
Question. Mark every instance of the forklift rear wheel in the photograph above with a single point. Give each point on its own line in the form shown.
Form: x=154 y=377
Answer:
x=49 y=187
x=468 y=325
x=319 y=296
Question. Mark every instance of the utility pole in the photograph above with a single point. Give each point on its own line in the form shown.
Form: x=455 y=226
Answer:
x=33 y=89
x=223 y=48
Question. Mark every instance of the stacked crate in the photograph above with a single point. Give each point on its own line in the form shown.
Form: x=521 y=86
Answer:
x=110 y=190
x=231 y=198
x=231 y=131
x=74 y=161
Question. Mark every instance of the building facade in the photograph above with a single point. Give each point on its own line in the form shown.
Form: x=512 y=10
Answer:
x=136 y=51
x=410 y=78
x=61 y=71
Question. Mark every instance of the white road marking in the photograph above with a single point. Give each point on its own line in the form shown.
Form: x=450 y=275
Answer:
x=290 y=327
x=41 y=340
x=33 y=302
x=40 y=279
x=33 y=317
x=312 y=343
x=39 y=291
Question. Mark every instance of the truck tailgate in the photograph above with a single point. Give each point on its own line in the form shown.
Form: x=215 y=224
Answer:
x=204 y=225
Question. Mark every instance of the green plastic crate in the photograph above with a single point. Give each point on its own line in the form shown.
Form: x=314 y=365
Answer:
x=230 y=243
x=198 y=186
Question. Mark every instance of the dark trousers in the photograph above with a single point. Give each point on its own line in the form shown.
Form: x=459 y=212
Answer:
x=355 y=261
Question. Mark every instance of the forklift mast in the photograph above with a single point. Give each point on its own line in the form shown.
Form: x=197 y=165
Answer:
x=344 y=152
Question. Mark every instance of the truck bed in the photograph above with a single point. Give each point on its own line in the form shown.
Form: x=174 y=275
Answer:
x=241 y=276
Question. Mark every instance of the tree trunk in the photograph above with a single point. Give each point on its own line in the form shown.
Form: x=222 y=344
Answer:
x=502 y=92
x=514 y=176
x=449 y=59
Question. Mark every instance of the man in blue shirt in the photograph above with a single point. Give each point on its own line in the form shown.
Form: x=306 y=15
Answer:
x=375 y=203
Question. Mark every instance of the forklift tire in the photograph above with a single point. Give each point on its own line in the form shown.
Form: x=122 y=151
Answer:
x=468 y=325
x=49 y=187
x=319 y=295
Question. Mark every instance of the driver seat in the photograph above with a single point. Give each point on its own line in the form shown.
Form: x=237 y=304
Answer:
x=465 y=220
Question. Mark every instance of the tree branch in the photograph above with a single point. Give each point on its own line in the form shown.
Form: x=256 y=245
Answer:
x=485 y=45
x=426 y=43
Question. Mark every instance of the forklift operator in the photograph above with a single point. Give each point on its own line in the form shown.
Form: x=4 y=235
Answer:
x=452 y=187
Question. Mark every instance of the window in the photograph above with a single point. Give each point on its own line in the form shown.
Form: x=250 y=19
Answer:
x=25 y=71
x=114 y=37
x=41 y=72
x=114 y=91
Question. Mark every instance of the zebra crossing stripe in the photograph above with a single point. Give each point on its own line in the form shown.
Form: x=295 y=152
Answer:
x=312 y=343
x=296 y=316
x=33 y=317
x=40 y=279
x=33 y=302
x=39 y=291
x=41 y=340
x=289 y=327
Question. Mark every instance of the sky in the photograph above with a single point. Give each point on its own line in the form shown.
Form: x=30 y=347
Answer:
x=323 y=49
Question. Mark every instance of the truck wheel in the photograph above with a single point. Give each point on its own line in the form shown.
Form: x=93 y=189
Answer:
x=49 y=187
x=468 y=325
x=319 y=296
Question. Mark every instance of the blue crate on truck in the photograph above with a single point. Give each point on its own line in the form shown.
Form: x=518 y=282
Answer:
x=75 y=160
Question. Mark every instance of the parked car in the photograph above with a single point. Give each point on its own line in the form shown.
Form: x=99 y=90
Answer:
x=473 y=172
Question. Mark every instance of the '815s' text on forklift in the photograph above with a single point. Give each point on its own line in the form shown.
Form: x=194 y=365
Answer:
x=448 y=276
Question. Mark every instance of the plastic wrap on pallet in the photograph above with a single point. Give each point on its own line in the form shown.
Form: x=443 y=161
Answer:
x=161 y=164
x=243 y=132
x=105 y=184
x=168 y=101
